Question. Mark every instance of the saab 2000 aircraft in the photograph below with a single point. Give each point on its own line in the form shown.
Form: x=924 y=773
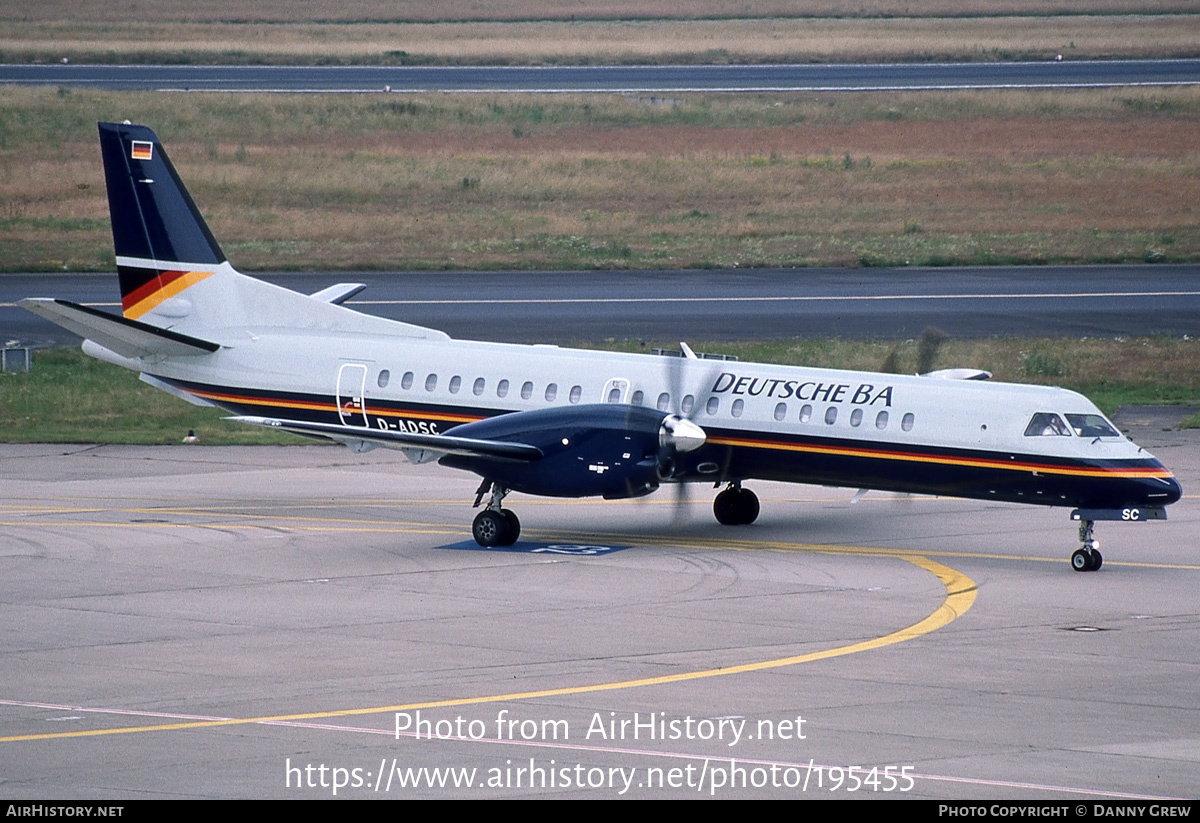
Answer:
x=566 y=423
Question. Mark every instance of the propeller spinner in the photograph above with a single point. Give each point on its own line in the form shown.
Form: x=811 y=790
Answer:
x=680 y=435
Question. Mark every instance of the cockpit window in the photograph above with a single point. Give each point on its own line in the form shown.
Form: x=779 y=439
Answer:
x=1046 y=424
x=1091 y=425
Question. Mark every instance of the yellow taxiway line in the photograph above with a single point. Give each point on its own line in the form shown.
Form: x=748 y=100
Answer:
x=960 y=596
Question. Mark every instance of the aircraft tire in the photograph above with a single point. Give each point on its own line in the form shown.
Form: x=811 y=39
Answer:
x=749 y=506
x=514 y=527
x=736 y=507
x=1081 y=562
x=725 y=507
x=1097 y=560
x=490 y=529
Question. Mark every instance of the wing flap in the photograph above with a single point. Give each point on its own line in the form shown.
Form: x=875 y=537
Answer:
x=405 y=441
x=128 y=338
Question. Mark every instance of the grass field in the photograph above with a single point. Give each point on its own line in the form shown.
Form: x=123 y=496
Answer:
x=440 y=181
x=611 y=42
x=70 y=398
x=459 y=11
x=381 y=181
x=592 y=31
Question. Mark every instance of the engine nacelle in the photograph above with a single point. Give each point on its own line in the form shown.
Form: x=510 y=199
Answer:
x=605 y=450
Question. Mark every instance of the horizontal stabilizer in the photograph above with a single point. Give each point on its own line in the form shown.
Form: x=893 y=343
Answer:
x=441 y=443
x=338 y=293
x=128 y=338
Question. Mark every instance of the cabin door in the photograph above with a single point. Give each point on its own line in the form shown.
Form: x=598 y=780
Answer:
x=616 y=390
x=351 y=400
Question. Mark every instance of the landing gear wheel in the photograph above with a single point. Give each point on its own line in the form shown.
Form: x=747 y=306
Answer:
x=749 y=506
x=491 y=528
x=736 y=507
x=1087 y=559
x=725 y=507
x=514 y=527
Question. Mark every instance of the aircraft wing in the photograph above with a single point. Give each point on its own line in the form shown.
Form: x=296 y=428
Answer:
x=128 y=338
x=440 y=443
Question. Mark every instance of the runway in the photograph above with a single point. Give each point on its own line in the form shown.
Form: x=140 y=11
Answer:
x=256 y=622
x=732 y=78
x=763 y=304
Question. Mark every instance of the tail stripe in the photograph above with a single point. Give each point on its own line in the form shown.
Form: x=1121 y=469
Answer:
x=160 y=286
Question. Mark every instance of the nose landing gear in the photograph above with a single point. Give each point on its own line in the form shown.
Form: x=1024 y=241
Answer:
x=1088 y=558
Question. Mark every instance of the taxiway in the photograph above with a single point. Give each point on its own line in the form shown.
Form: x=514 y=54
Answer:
x=255 y=622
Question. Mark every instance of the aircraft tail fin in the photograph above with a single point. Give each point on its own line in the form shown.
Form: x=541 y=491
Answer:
x=162 y=243
x=174 y=276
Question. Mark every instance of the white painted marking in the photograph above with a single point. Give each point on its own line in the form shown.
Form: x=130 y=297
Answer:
x=762 y=299
x=782 y=298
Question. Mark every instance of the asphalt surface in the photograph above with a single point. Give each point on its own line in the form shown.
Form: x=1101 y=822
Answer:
x=754 y=304
x=248 y=622
x=807 y=77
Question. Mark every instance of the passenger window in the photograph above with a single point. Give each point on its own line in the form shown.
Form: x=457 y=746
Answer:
x=831 y=415
x=576 y=393
x=856 y=418
x=881 y=420
x=477 y=389
x=638 y=397
x=738 y=405
x=906 y=422
x=1047 y=424
x=805 y=413
x=712 y=405
x=686 y=405
x=614 y=394
x=526 y=390
x=431 y=382
x=455 y=384
x=664 y=401
x=551 y=392
x=502 y=388
x=406 y=380
x=780 y=411
x=384 y=377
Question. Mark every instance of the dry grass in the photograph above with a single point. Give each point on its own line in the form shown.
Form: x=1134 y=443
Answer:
x=347 y=11
x=602 y=33
x=592 y=181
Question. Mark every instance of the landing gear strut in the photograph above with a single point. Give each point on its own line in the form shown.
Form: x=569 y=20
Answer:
x=736 y=506
x=494 y=526
x=1088 y=558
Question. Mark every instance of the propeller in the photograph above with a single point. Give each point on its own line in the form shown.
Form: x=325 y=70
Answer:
x=679 y=433
x=929 y=344
x=928 y=347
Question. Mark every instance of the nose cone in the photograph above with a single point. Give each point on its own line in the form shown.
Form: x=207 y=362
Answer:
x=1173 y=489
x=1160 y=488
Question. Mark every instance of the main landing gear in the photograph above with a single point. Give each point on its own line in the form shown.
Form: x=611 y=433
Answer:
x=494 y=526
x=736 y=506
x=1088 y=558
